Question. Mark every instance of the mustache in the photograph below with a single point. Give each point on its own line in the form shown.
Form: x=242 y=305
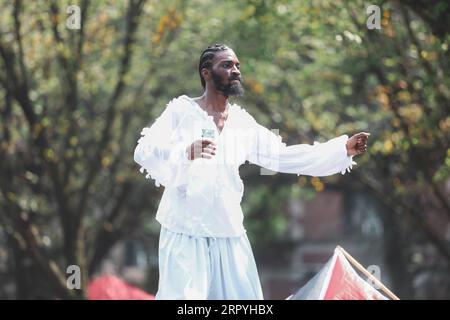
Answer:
x=240 y=79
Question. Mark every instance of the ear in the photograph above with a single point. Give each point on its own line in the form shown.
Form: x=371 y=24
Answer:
x=206 y=74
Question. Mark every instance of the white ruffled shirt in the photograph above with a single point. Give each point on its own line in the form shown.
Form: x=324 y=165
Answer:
x=203 y=197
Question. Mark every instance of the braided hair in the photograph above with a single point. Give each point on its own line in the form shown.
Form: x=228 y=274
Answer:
x=207 y=56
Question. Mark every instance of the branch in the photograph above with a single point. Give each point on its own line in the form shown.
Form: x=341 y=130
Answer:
x=70 y=86
x=72 y=98
x=30 y=235
x=414 y=40
x=16 y=86
x=54 y=17
x=134 y=11
x=16 y=13
x=79 y=56
x=105 y=235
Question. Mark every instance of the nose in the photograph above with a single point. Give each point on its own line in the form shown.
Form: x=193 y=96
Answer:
x=235 y=71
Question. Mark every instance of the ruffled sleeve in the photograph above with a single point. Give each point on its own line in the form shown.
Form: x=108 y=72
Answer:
x=320 y=159
x=161 y=152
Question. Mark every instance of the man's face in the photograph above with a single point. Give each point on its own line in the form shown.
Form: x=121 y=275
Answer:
x=226 y=75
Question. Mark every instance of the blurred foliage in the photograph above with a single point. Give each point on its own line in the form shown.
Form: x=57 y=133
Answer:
x=73 y=103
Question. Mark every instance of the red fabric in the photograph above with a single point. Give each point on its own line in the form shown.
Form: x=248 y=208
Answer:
x=345 y=284
x=112 y=288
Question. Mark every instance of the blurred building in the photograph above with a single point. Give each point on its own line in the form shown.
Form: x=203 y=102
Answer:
x=315 y=228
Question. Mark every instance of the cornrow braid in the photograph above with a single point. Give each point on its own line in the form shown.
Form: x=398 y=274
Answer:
x=206 y=57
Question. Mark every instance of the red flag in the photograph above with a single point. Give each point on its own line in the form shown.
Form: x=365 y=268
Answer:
x=346 y=284
x=337 y=280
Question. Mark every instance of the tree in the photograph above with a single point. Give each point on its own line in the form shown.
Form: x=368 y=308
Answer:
x=64 y=176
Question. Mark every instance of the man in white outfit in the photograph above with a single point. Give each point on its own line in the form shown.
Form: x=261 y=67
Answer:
x=194 y=149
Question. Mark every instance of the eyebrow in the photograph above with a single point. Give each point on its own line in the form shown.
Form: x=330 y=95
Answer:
x=228 y=60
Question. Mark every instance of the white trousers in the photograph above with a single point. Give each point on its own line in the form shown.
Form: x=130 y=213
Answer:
x=199 y=268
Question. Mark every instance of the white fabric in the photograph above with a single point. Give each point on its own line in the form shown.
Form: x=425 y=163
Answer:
x=203 y=197
x=198 y=268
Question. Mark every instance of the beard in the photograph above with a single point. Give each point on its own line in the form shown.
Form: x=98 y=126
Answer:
x=229 y=89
